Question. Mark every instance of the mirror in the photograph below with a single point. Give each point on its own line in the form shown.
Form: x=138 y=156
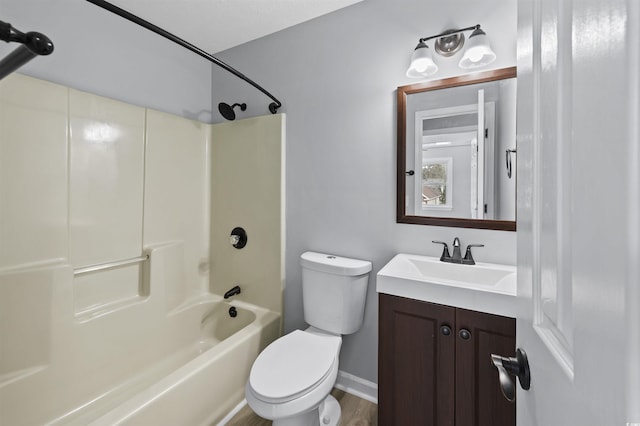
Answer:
x=457 y=151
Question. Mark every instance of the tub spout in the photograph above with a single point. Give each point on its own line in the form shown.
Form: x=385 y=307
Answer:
x=232 y=292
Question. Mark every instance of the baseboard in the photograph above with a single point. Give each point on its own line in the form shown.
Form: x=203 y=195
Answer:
x=357 y=386
x=232 y=413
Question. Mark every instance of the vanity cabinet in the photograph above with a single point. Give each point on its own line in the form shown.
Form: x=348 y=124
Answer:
x=435 y=367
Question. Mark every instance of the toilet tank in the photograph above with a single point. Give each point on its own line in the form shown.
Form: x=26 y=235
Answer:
x=334 y=291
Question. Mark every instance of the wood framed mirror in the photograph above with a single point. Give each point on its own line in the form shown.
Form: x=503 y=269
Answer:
x=457 y=151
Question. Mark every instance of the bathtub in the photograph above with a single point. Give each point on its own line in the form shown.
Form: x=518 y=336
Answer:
x=197 y=385
x=139 y=364
x=163 y=356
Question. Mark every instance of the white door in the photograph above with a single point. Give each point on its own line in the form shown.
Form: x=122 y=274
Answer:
x=579 y=211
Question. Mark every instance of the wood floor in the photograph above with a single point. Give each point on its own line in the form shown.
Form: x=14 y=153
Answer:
x=355 y=412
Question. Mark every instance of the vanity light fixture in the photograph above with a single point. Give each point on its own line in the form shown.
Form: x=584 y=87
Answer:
x=477 y=54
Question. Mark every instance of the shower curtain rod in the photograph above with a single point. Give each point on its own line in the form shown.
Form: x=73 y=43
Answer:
x=33 y=44
x=273 y=107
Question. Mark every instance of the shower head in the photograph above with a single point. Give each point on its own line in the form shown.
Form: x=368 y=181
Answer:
x=227 y=110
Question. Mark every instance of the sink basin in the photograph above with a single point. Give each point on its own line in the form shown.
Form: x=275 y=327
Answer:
x=484 y=287
x=484 y=276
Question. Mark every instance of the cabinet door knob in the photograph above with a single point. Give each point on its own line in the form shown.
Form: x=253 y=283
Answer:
x=464 y=334
x=445 y=330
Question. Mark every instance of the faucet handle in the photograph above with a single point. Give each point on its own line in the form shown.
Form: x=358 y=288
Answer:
x=468 y=257
x=445 y=251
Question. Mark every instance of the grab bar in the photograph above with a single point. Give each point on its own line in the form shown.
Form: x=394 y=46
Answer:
x=109 y=265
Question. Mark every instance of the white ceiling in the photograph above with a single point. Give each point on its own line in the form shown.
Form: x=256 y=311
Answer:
x=216 y=25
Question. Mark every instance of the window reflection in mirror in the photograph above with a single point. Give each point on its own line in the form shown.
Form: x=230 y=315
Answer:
x=453 y=136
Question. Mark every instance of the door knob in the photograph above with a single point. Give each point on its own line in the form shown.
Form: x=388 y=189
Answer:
x=510 y=367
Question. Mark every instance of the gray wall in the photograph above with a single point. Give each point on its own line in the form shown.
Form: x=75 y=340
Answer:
x=336 y=76
x=99 y=52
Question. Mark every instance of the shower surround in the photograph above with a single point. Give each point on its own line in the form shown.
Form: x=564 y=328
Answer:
x=89 y=181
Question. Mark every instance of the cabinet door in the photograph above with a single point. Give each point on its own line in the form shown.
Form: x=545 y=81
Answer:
x=479 y=401
x=416 y=363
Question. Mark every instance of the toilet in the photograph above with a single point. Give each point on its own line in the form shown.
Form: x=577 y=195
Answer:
x=291 y=380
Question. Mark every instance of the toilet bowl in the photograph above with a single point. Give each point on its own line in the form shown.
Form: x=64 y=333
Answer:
x=291 y=380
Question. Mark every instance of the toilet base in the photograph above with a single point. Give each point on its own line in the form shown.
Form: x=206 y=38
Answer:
x=330 y=412
x=327 y=414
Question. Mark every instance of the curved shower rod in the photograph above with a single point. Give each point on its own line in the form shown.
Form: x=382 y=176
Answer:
x=33 y=44
x=273 y=107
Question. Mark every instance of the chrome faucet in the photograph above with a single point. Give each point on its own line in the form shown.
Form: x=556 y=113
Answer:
x=457 y=255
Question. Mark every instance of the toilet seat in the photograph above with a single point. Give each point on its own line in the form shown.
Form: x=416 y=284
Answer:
x=293 y=365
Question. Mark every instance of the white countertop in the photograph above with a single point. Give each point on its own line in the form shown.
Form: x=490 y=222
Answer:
x=482 y=287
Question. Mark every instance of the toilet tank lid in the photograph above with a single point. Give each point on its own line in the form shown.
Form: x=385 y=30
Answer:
x=334 y=264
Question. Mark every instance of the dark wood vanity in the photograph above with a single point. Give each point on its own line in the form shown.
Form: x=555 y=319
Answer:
x=435 y=368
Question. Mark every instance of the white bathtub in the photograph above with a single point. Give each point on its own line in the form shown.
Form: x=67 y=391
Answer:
x=137 y=364
x=160 y=357
x=210 y=381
